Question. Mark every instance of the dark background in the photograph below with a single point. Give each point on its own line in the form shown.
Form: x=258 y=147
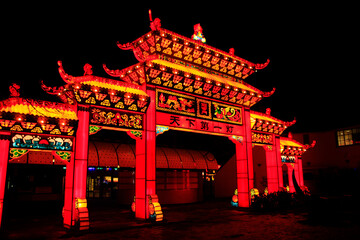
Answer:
x=313 y=48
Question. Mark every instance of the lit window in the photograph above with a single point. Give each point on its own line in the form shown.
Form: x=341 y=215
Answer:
x=348 y=137
x=340 y=138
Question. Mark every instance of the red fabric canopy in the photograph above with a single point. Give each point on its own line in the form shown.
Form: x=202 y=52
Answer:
x=104 y=154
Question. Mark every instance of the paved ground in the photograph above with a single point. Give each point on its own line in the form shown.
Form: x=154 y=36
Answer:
x=211 y=220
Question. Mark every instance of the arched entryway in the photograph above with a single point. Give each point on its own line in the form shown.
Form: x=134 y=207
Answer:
x=260 y=171
x=285 y=175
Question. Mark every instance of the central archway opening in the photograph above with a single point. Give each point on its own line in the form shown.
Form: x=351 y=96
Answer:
x=208 y=152
x=260 y=172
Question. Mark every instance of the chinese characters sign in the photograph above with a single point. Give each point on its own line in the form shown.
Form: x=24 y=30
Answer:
x=262 y=138
x=191 y=106
x=41 y=142
x=115 y=119
x=197 y=124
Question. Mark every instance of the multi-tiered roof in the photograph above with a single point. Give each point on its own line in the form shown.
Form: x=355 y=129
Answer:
x=174 y=61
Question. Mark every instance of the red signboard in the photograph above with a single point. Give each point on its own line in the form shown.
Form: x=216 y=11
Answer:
x=115 y=119
x=197 y=107
x=197 y=125
x=262 y=138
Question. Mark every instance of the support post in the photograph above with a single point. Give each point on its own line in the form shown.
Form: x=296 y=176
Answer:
x=249 y=148
x=278 y=162
x=291 y=183
x=244 y=164
x=296 y=169
x=271 y=169
x=242 y=177
x=76 y=176
x=301 y=173
x=145 y=169
x=68 y=210
x=4 y=156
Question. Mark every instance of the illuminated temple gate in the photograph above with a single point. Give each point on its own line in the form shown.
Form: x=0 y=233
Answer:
x=180 y=84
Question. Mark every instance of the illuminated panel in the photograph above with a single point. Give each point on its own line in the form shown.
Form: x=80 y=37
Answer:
x=115 y=119
x=187 y=123
x=203 y=108
x=262 y=138
x=41 y=142
x=206 y=75
x=175 y=103
x=287 y=159
x=38 y=108
x=226 y=113
x=196 y=107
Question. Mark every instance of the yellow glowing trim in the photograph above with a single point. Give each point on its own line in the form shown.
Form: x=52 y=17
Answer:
x=81 y=203
x=290 y=143
x=265 y=118
x=205 y=75
x=252 y=121
x=200 y=131
x=40 y=111
x=115 y=87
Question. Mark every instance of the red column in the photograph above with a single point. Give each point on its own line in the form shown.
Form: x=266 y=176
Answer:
x=242 y=179
x=145 y=169
x=4 y=155
x=291 y=183
x=296 y=168
x=278 y=161
x=244 y=164
x=271 y=169
x=76 y=174
x=69 y=207
x=301 y=173
x=249 y=148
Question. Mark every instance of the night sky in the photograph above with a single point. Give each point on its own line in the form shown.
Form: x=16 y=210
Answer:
x=313 y=49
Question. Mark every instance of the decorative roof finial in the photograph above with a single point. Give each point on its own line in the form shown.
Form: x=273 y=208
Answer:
x=198 y=35
x=232 y=51
x=156 y=24
x=290 y=135
x=150 y=15
x=268 y=111
x=14 y=90
x=87 y=69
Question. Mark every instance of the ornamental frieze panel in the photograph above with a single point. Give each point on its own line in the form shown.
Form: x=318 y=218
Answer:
x=112 y=99
x=165 y=43
x=115 y=119
x=41 y=142
x=166 y=77
x=182 y=104
x=37 y=124
x=174 y=102
x=262 y=138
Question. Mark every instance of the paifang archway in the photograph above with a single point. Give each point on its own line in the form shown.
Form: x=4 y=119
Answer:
x=179 y=83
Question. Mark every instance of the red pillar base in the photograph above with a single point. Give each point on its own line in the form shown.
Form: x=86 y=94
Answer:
x=271 y=169
x=75 y=212
x=4 y=155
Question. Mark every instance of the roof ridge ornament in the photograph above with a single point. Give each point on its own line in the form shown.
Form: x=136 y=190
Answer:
x=232 y=51
x=14 y=90
x=289 y=124
x=268 y=111
x=156 y=24
x=51 y=90
x=312 y=145
x=259 y=66
x=198 y=35
x=87 y=69
x=66 y=77
x=268 y=94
